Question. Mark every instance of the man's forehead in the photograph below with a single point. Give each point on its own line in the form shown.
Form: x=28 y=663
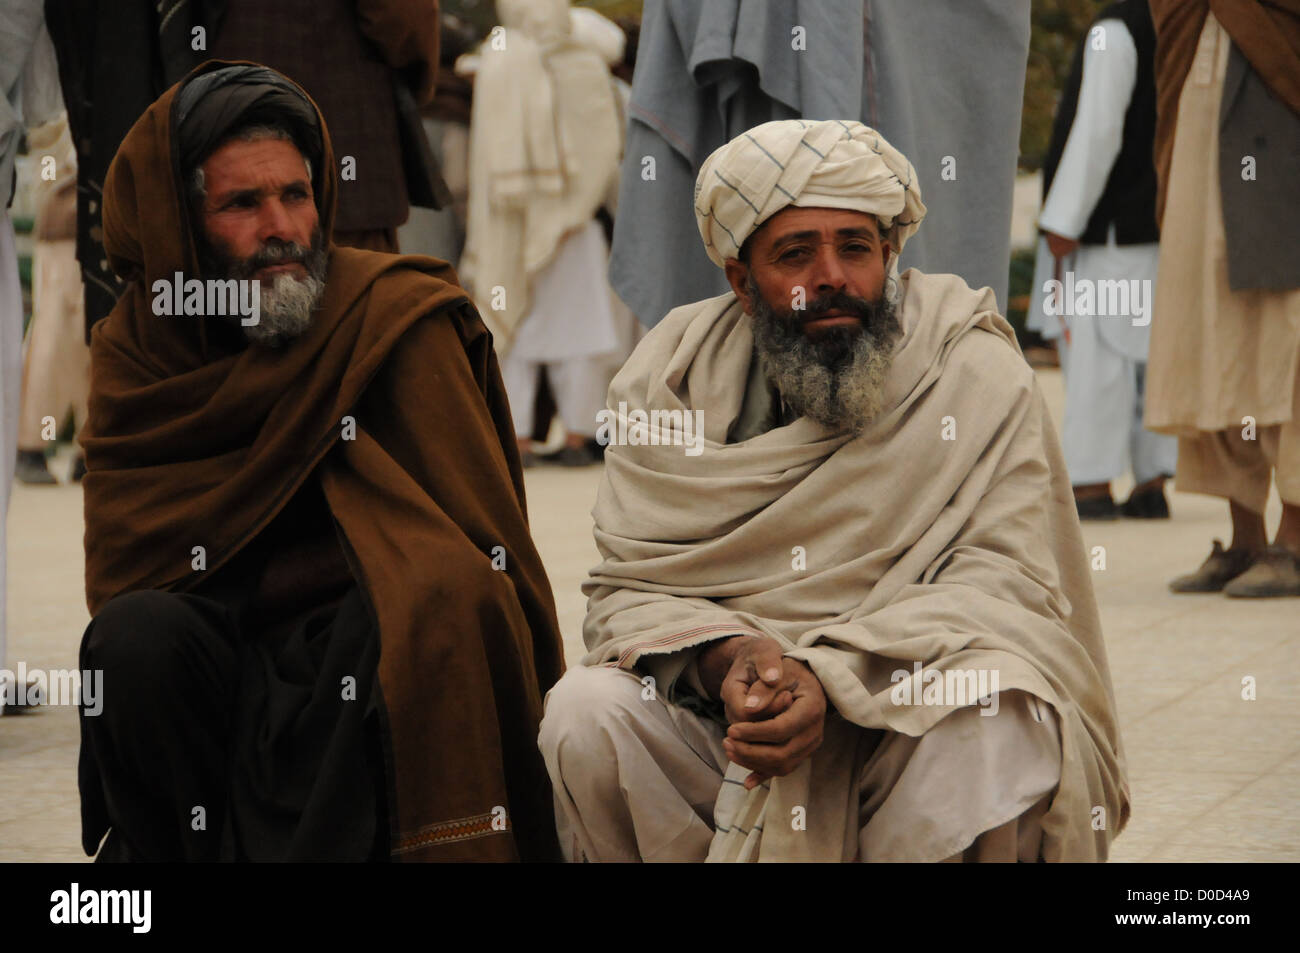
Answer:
x=239 y=164
x=797 y=219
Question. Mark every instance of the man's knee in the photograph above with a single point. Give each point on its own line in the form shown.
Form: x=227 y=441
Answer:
x=147 y=640
x=584 y=708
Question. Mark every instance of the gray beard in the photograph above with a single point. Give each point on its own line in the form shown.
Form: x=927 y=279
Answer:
x=286 y=304
x=836 y=378
x=287 y=307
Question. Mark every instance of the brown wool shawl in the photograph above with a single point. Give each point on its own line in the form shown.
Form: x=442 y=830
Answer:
x=1266 y=31
x=194 y=439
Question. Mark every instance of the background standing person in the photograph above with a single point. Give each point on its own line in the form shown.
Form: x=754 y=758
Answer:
x=545 y=141
x=441 y=232
x=1225 y=338
x=56 y=366
x=369 y=64
x=28 y=96
x=105 y=92
x=945 y=89
x=1098 y=220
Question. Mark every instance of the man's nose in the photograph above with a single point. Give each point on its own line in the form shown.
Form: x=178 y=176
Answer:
x=828 y=271
x=275 y=222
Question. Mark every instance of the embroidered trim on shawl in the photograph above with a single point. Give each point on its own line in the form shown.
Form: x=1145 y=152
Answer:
x=444 y=832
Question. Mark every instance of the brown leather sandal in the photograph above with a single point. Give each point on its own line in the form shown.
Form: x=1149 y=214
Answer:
x=1222 y=566
x=1276 y=572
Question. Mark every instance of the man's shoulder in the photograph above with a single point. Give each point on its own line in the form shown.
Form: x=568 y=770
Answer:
x=981 y=344
x=410 y=307
x=394 y=286
x=706 y=310
x=685 y=322
x=985 y=353
x=393 y=274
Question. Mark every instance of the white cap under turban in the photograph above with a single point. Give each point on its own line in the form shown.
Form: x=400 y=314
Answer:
x=831 y=164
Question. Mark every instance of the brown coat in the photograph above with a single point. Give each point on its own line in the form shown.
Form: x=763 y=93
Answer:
x=1266 y=31
x=194 y=439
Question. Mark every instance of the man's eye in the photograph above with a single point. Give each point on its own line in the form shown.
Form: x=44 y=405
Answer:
x=296 y=194
x=794 y=254
x=858 y=248
x=244 y=201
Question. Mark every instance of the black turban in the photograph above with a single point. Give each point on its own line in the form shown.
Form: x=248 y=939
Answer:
x=215 y=105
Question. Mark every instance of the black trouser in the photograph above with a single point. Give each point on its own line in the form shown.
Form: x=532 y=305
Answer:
x=215 y=745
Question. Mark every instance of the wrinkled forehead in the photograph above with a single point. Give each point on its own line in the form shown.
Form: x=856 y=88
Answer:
x=265 y=163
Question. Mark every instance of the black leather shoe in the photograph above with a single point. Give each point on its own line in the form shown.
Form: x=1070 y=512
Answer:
x=1097 y=508
x=30 y=468
x=572 y=457
x=1149 y=504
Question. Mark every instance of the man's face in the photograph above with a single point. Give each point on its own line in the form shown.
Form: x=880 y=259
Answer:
x=827 y=253
x=259 y=221
x=257 y=193
x=823 y=330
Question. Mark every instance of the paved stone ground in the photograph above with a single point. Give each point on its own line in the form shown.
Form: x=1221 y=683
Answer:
x=1214 y=777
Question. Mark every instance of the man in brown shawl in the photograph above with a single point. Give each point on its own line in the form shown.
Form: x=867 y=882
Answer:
x=1224 y=372
x=844 y=610
x=323 y=627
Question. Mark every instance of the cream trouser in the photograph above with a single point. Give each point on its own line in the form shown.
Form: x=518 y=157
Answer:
x=1223 y=463
x=637 y=779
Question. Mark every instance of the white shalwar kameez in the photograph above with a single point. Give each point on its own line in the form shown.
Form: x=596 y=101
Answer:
x=577 y=329
x=1104 y=359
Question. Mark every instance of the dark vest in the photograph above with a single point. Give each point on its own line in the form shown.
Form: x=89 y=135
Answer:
x=1129 y=199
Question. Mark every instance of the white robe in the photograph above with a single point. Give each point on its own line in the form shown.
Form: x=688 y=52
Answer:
x=578 y=328
x=1104 y=361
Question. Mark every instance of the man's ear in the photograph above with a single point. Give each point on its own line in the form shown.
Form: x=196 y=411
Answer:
x=737 y=275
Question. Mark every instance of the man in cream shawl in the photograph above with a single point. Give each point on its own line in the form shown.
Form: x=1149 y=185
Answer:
x=854 y=621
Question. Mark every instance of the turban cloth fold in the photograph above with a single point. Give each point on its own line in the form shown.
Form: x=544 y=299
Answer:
x=213 y=104
x=828 y=164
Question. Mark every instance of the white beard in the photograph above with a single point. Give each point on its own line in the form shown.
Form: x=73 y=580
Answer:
x=286 y=309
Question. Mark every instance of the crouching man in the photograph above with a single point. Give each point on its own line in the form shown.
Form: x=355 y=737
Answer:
x=324 y=630
x=859 y=625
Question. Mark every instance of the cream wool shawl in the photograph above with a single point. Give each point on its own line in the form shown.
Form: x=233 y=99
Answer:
x=959 y=554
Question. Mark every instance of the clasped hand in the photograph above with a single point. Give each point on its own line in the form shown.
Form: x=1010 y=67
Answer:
x=775 y=706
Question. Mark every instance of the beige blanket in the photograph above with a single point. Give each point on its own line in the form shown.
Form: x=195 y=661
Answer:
x=959 y=553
